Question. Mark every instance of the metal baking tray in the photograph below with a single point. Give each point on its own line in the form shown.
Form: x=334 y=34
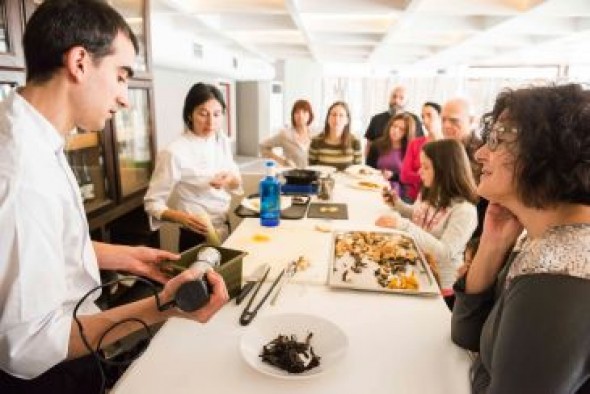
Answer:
x=358 y=255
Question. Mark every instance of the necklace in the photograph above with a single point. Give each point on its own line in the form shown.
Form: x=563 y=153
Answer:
x=428 y=225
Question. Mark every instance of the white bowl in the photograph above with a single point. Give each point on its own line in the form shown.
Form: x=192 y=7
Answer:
x=329 y=342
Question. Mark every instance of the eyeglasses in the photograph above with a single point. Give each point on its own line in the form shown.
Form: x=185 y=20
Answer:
x=492 y=138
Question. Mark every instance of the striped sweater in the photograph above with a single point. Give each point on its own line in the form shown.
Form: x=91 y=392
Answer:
x=323 y=153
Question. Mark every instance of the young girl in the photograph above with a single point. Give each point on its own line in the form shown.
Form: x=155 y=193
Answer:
x=444 y=216
x=387 y=153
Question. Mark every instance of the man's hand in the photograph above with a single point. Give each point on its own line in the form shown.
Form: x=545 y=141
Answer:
x=137 y=260
x=219 y=294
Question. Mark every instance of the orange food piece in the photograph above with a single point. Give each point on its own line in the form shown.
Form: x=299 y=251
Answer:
x=260 y=238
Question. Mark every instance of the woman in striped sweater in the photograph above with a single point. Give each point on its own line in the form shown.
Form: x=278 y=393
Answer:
x=336 y=146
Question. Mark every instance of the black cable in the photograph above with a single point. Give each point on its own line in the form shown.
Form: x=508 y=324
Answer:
x=96 y=352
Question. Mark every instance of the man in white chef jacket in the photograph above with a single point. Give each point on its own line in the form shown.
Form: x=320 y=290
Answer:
x=79 y=56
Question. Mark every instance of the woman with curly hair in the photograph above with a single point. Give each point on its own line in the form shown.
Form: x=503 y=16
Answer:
x=527 y=314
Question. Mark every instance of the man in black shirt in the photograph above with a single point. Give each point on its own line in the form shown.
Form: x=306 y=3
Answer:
x=397 y=103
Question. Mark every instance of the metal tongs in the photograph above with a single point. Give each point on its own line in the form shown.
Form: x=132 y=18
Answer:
x=290 y=271
x=248 y=315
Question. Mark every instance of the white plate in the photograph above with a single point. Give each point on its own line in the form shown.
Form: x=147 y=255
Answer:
x=253 y=203
x=329 y=342
x=364 y=185
x=362 y=171
x=323 y=170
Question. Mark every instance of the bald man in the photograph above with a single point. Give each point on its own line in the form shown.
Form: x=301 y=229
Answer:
x=456 y=124
x=397 y=103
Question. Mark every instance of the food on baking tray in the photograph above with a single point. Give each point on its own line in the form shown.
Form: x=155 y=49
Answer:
x=391 y=257
x=286 y=353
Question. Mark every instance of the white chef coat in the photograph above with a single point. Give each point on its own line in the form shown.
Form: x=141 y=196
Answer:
x=181 y=178
x=47 y=261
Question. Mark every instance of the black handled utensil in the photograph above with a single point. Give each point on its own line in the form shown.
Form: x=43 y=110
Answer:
x=254 y=278
x=248 y=315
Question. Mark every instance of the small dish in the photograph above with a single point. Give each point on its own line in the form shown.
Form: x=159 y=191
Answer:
x=368 y=185
x=323 y=170
x=329 y=342
x=253 y=203
x=362 y=171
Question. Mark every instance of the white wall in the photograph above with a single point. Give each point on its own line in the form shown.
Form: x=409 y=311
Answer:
x=302 y=79
x=170 y=89
x=177 y=43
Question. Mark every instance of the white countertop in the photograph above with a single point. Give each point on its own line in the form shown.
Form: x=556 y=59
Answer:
x=397 y=343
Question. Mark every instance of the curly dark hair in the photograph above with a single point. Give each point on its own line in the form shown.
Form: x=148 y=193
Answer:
x=453 y=178
x=552 y=149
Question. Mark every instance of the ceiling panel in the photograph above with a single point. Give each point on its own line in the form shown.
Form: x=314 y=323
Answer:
x=436 y=33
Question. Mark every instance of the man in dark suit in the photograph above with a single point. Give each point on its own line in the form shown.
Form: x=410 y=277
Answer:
x=397 y=103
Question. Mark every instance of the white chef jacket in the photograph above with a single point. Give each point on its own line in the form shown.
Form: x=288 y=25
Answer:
x=47 y=262
x=181 y=178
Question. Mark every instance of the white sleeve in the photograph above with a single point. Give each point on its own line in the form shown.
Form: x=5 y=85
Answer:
x=404 y=208
x=34 y=323
x=267 y=145
x=164 y=178
x=458 y=229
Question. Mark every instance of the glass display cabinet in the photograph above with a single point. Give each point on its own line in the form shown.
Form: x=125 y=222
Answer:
x=134 y=145
x=136 y=15
x=11 y=27
x=85 y=152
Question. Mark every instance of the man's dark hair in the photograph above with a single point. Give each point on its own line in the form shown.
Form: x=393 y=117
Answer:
x=59 y=25
x=552 y=148
x=199 y=94
x=434 y=106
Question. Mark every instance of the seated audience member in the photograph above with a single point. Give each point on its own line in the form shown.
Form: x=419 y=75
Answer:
x=336 y=146
x=397 y=105
x=526 y=315
x=294 y=140
x=411 y=164
x=443 y=217
x=388 y=151
x=195 y=173
x=456 y=124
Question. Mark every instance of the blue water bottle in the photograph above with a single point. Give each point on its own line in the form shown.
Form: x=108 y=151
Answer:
x=270 y=197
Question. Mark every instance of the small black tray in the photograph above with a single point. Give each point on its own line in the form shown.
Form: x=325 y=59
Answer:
x=297 y=210
x=328 y=211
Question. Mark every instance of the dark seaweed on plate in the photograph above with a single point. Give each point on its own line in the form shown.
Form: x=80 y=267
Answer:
x=286 y=353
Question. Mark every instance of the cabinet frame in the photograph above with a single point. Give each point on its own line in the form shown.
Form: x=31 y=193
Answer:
x=14 y=58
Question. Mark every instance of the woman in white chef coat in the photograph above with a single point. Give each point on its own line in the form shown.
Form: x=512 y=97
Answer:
x=195 y=173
